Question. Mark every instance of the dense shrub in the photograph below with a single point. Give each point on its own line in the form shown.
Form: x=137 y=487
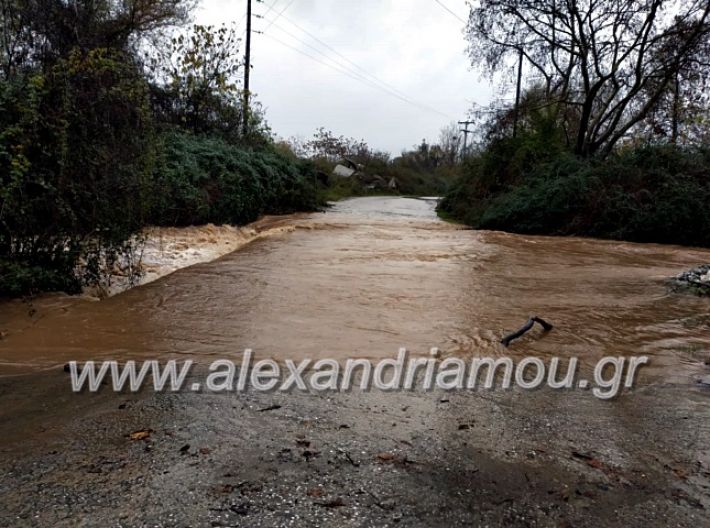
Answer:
x=647 y=194
x=19 y=277
x=85 y=159
x=200 y=179
x=75 y=153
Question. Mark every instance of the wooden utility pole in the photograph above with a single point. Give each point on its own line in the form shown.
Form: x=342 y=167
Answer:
x=466 y=132
x=247 y=68
x=516 y=111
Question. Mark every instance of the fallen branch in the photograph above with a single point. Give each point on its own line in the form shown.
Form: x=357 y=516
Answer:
x=270 y=408
x=526 y=327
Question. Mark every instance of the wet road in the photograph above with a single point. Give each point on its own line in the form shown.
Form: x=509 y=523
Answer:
x=364 y=279
x=375 y=274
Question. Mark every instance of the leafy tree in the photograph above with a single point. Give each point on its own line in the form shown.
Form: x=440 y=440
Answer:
x=326 y=145
x=38 y=32
x=76 y=136
x=74 y=157
x=199 y=78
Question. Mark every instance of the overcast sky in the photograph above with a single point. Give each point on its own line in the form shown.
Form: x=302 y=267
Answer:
x=415 y=47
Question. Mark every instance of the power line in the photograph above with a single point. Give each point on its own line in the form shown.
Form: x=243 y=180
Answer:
x=328 y=57
x=271 y=7
x=278 y=15
x=348 y=73
x=244 y=17
x=239 y=24
x=450 y=11
x=336 y=52
x=365 y=75
x=335 y=66
x=316 y=59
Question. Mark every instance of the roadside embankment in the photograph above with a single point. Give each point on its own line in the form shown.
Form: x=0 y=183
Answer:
x=164 y=250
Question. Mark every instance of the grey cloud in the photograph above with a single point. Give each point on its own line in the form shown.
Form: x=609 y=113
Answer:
x=413 y=45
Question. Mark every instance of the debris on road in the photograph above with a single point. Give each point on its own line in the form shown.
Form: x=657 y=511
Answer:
x=525 y=328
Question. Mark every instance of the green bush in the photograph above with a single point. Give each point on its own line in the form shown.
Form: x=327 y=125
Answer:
x=85 y=161
x=19 y=278
x=199 y=179
x=75 y=153
x=645 y=194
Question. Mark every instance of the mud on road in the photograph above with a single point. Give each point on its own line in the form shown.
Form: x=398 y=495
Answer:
x=353 y=459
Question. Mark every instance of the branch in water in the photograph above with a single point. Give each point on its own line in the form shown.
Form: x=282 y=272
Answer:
x=527 y=326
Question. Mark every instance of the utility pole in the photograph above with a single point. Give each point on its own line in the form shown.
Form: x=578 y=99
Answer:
x=466 y=132
x=247 y=68
x=516 y=111
x=676 y=109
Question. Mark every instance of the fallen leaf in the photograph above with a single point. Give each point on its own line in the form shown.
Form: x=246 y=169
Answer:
x=143 y=434
x=596 y=464
x=315 y=492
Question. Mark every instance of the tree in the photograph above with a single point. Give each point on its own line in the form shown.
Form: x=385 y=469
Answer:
x=325 y=144
x=450 y=142
x=76 y=136
x=606 y=64
x=199 y=75
x=38 y=32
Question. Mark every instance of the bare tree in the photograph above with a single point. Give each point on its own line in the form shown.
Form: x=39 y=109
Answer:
x=325 y=144
x=450 y=141
x=198 y=72
x=611 y=61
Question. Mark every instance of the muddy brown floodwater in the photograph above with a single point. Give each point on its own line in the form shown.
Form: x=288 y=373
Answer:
x=376 y=274
x=362 y=280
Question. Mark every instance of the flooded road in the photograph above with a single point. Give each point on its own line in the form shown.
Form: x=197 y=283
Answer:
x=375 y=274
x=367 y=277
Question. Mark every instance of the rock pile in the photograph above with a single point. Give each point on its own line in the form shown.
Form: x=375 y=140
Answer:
x=696 y=280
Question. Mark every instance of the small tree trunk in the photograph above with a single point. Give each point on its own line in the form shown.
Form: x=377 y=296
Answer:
x=676 y=109
x=517 y=93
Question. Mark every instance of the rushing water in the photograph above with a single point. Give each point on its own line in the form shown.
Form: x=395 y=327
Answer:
x=375 y=274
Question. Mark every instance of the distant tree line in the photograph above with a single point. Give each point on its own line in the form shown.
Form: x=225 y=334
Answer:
x=426 y=169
